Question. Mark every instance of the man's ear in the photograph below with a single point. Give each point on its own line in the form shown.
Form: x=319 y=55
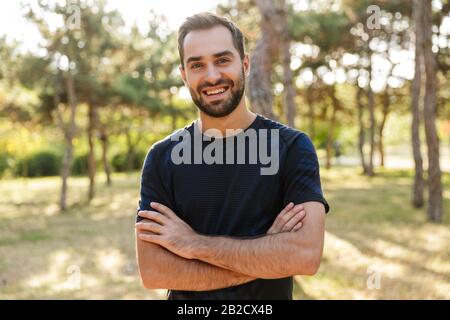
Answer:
x=183 y=73
x=246 y=65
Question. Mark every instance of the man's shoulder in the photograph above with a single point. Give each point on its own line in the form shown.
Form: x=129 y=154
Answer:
x=288 y=136
x=164 y=146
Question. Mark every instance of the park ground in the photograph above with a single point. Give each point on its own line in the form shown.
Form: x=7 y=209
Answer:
x=376 y=247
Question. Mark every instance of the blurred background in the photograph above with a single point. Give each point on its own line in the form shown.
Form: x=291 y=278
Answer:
x=86 y=88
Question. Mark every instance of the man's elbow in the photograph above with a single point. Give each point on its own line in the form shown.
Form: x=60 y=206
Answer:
x=312 y=267
x=150 y=280
x=151 y=277
x=148 y=283
x=309 y=264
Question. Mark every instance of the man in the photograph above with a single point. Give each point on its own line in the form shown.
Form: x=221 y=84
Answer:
x=227 y=229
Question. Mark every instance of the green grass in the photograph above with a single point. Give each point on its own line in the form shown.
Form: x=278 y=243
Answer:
x=88 y=252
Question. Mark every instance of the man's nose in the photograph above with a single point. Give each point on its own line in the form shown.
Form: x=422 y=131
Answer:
x=212 y=75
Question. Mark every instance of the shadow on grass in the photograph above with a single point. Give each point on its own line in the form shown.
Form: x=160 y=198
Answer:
x=364 y=212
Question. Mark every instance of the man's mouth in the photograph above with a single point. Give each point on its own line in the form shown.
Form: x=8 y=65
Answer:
x=214 y=92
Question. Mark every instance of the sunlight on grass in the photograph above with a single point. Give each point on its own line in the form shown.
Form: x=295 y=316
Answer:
x=62 y=276
x=88 y=252
x=110 y=261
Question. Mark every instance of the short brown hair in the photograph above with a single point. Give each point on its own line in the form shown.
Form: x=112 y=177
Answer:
x=206 y=20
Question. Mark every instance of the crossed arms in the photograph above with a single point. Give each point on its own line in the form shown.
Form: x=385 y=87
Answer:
x=173 y=256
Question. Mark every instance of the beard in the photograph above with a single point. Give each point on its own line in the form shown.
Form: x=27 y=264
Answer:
x=224 y=107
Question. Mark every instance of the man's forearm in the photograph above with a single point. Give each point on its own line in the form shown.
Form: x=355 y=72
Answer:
x=161 y=269
x=271 y=256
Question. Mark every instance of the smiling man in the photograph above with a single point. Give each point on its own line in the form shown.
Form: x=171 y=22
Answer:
x=222 y=228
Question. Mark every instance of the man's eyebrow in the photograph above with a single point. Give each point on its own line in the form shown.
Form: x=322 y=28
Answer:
x=196 y=58
x=215 y=55
x=223 y=53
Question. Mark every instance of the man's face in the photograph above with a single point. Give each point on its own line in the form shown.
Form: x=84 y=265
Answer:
x=213 y=71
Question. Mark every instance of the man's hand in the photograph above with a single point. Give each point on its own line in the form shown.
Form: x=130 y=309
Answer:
x=165 y=228
x=289 y=219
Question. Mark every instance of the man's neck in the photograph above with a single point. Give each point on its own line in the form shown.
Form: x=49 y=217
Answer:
x=240 y=118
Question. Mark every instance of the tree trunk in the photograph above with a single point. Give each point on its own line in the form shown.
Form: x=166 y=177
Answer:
x=309 y=99
x=130 y=151
x=260 y=85
x=330 y=136
x=331 y=126
x=371 y=108
x=69 y=134
x=419 y=184
x=434 y=210
x=361 y=136
x=91 y=155
x=262 y=58
x=288 y=77
x=386 y=104
x=105 y=147
x=289 y=91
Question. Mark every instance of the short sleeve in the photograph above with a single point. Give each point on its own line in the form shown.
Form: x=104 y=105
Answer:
x=153 y=185
x=302 y=174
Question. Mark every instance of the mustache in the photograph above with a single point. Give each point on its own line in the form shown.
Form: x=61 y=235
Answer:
x=207 y=84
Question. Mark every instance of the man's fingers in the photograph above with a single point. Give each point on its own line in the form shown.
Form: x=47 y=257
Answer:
x=147 y=225
x=152 y=215
x=288 y=207
x=298 y=226
x=284 y=218
x=149 y=237
x=294 y=221
x=163 y=209
x=278 y=223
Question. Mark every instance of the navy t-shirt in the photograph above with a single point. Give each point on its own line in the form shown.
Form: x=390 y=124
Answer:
x=231 y=198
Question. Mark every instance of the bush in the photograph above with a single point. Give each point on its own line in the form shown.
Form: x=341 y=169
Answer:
x=120 y=161
x=5 y=161
x=139 y=160
x=39 y=164
x=80 y=165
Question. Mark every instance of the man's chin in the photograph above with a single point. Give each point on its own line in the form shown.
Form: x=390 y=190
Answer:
x=216 y=110
x=216 y=113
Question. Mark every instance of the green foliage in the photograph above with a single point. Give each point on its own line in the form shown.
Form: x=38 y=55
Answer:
x=328 y=30
x=320 y=140
x=80 y=165
x=120 y=161
x=39 y=164
x=5 y=163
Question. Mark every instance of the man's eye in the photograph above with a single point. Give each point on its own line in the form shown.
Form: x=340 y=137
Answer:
x=196 y=65
x=222 y=61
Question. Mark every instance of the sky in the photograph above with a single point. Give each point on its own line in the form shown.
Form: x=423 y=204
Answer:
x=14 y=25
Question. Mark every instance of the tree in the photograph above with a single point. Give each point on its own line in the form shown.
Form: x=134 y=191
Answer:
x=419 y=183
x=434 y=210
x=73 y=71
x=262 y=60
x=53 y=77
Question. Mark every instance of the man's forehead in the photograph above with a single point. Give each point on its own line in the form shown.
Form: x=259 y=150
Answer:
x=208 y=42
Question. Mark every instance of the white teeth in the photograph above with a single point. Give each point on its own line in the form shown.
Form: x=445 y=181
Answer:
x=215 y=91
